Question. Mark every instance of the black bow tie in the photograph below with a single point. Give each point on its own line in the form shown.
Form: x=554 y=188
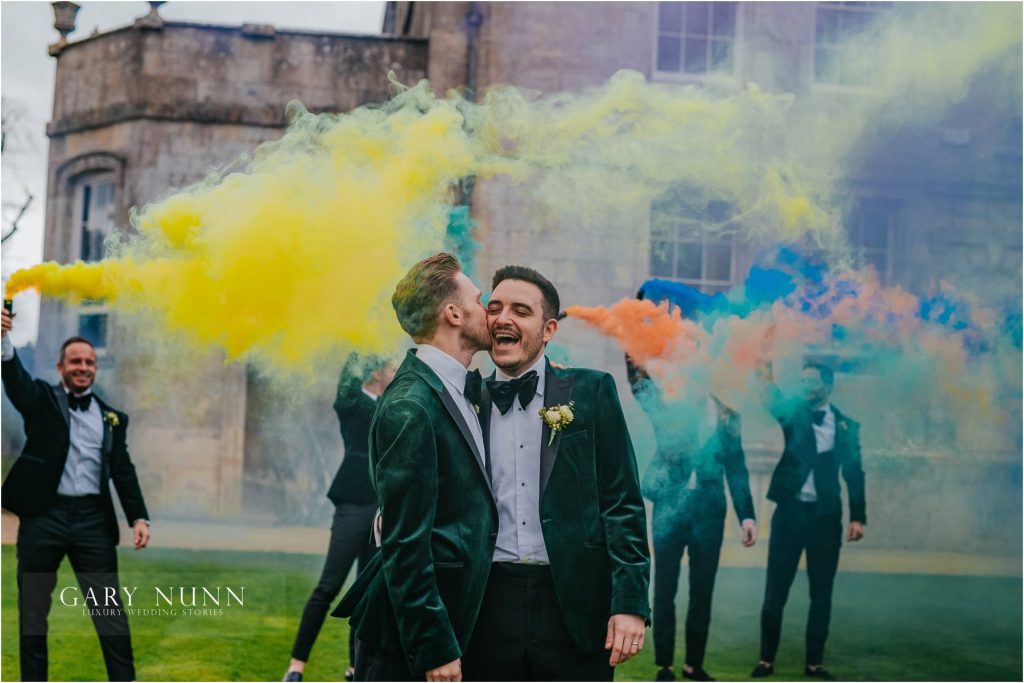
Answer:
x=819 y=417
x=504 y=393
x=79 y=402
x=472 y=388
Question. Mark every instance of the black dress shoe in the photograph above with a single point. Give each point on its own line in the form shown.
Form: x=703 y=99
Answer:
x=350 y=674
x=762 y=670
x=698 y=674
x=819 y=673
x=292 y=676
x=665 y=675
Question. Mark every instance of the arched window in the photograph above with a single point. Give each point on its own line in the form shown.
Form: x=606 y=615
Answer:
x=87 y=210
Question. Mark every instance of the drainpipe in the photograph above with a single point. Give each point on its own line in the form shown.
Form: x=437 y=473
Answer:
x=474 y=18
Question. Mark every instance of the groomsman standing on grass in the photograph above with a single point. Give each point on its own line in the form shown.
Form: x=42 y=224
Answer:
x=60 y=489
x=820 y=442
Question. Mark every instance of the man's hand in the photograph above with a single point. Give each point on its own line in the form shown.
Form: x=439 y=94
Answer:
x=452 y=671
x=749 y=533
x=141 y=533
x=625 y=637
x=855 y=533
x=6 y=322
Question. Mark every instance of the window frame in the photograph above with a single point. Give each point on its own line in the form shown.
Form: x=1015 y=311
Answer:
x=703 y=283
x=857 y=245
x=731 y=78
x=830 y=86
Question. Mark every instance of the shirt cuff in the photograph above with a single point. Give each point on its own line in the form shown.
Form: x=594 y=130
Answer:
x=752 y=521
x=141 y=519
x=6 y=349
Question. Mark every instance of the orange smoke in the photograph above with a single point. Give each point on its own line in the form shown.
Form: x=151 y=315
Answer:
x=645 y=330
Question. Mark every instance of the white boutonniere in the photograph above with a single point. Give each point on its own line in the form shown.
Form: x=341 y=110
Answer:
x=110 y=417
x=557 y=418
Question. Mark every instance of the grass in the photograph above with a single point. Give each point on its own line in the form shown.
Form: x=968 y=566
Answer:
x=884 y=626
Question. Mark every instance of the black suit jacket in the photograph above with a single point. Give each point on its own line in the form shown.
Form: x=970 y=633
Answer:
x=801 y=455
x=31 y=486
x=675 y=460
x=355 y=412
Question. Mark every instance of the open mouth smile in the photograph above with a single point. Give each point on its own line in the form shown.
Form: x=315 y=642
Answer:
x=505 y=339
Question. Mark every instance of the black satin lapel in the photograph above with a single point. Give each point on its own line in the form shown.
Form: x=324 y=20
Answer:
x=453 y=410
x=61 y=397
x=108 y=438
x=557 y=391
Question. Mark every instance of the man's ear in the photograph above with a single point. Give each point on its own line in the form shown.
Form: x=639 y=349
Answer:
x=550 y=327
x=453 y=315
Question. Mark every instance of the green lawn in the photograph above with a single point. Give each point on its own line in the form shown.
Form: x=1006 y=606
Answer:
x=885 y=626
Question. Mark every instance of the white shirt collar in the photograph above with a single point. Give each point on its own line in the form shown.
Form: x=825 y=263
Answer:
x=446 y=367
x=71 y=393
x=372 y=396
x=540 y=367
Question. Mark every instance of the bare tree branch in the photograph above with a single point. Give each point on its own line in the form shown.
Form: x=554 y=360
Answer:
x=14 y=224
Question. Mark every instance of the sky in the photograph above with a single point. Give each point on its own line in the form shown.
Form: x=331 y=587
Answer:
x=26 y=83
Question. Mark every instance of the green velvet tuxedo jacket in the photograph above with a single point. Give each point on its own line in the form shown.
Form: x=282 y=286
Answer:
x=591 y=511
x=420 y=596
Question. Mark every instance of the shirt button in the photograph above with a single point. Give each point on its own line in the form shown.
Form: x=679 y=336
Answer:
x=520 y=445
x=524 y=483
x=524 y=523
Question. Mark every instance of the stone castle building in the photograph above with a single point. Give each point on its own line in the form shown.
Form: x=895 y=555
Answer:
x=155 y=105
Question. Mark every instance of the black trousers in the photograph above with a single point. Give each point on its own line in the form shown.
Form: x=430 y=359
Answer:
x=373 y=664
x=520 y=634
x=688 y=522
x=350 y=541
x=76 y=527
x=797 y=527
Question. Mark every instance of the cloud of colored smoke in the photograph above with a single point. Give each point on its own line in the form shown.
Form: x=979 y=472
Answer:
x=291 y=256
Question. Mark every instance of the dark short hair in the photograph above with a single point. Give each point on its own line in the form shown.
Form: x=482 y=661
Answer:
x=419 y=296
x=828 y=375
x=73 y=340
x=549 y=295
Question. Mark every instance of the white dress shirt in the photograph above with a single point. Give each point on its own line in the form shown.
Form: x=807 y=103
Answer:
x=453 y=376
x=84 y=465
x=516 y=439
x=825 y=439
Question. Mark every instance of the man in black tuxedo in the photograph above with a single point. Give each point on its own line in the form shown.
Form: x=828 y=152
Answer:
x=698 y=443
x=820 y=442
x=354 y=504
x=59 y=489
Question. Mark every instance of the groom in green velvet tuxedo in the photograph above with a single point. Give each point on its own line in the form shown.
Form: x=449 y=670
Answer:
x=414 y=606
x=567 y=594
